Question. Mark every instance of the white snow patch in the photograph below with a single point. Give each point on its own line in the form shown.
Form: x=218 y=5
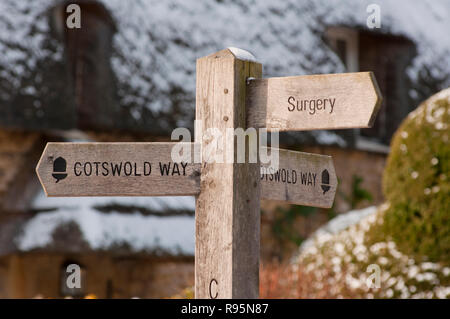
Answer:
x=338 y=224
x=152 y=203
x=174 y=235
x=328 y=138
x=24 y=30
x=242 y=54
x=158 y=42
x=170 y=234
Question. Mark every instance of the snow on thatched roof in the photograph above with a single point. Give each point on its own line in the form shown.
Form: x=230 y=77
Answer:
x=284 y=36
x=105 y=224
x=164 y=38
x=158 y=42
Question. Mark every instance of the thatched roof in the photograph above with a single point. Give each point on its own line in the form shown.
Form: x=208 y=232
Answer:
x=149 y=84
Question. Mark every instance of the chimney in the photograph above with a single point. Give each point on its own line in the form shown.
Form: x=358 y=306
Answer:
x=88 y=52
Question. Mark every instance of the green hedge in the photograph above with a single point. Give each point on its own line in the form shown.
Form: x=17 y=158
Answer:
x=416 y=182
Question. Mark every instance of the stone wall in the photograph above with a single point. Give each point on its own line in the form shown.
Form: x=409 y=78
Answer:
x=38 y=275
x=19 y=153
x=348 y=164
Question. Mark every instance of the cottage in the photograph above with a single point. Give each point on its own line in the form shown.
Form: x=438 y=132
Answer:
x=128 y=74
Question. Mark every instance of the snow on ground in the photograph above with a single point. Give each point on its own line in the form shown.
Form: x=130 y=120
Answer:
x=338 y=224
x=172 y=234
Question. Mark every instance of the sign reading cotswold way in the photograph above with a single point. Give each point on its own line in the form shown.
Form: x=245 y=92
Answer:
x=302 y=179
x=116 y=169
x=147 y=169
x=229 y=96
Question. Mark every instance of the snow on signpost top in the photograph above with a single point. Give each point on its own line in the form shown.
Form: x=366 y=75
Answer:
x=242 y=54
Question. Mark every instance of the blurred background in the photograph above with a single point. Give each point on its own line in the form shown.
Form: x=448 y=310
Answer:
x=128 y=74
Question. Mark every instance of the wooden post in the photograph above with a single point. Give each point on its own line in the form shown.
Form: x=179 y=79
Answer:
x=228 y=208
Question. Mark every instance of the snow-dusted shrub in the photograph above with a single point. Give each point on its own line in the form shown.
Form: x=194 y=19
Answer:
x=342 y=263
x=408 y=238
x=416 y=182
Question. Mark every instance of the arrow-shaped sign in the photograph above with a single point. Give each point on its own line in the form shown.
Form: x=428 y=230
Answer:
x=147 y=169
x=116 y=169
x=313 y=102
x=301 y=178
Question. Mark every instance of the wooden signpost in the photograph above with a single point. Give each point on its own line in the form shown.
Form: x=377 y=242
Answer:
x=228 y=194
x=227 y=209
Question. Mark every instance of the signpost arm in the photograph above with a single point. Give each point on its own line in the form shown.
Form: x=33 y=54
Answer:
x=228 y=207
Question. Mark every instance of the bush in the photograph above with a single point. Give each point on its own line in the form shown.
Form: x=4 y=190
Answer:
x=408 y=238
x=416 y=182
x=341 y=264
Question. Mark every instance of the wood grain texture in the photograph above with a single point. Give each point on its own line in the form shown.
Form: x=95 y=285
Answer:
x=300 y=179
x=282 y=185
x=312 y=102
x=228 y=207
x=123 y=169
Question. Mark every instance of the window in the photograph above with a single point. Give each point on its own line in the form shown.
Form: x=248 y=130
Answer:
x=344 y=41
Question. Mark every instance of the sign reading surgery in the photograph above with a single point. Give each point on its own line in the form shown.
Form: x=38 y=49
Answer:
x=312 y=106
x=313 y=102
